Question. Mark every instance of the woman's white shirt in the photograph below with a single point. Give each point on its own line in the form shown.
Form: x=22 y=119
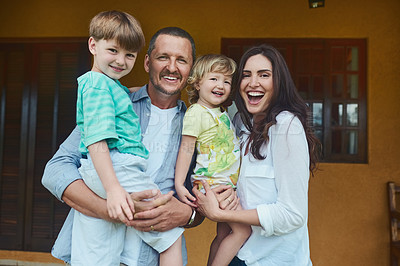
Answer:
x=278 y=188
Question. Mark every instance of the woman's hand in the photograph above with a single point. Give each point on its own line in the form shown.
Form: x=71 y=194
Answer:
x=226 y=197
x=207 y=203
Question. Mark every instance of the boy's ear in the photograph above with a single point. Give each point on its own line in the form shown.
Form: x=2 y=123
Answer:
x=92 y=45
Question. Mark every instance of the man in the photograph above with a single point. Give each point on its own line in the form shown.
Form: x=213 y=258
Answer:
x=168 y=61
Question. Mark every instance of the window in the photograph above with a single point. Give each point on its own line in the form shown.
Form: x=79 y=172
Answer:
x=330 y=74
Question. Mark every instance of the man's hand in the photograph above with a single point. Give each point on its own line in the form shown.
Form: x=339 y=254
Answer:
x=149 y=199
x=161 y=214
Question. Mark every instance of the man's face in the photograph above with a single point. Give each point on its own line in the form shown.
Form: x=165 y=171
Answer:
x=169 y=64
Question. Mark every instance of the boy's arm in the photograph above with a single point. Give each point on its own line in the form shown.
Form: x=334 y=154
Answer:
x=185 y=154
x=119 y=202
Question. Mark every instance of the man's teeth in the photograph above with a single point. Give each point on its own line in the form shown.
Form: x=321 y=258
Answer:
x=255 y=93
x=170 y=78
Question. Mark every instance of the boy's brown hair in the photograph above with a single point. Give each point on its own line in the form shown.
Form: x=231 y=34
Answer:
x=119 y=26
x=205 y=64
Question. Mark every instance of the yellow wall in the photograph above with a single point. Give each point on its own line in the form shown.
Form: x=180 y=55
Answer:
x=348 y=202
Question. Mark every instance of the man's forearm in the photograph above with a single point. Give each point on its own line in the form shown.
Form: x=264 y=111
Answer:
x=78 y=196
x=196 y=219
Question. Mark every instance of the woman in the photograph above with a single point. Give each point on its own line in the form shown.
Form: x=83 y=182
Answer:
x=278 y=153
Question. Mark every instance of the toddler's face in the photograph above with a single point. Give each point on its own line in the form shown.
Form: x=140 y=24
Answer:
x=214 y=89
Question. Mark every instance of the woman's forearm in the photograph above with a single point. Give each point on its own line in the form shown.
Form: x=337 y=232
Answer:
x=249 y=217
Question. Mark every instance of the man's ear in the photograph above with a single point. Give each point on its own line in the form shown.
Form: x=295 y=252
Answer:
x=146 y=63
x=92 y=45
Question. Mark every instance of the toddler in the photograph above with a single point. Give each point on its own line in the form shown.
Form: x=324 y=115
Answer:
x=207 y=127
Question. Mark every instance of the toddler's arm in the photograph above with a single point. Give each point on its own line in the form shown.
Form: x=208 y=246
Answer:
x=182 y=166
x=119 y=202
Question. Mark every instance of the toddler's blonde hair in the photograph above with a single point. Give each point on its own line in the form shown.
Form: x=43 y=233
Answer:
x=205 y=64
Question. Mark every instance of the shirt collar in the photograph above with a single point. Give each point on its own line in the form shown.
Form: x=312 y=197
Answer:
x=142 y=93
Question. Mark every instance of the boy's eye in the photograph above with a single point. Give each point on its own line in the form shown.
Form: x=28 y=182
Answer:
x=112 y=50
x=228 y=82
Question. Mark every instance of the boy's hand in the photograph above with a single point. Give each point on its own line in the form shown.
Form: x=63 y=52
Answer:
x=119 y=204
x=185 y=196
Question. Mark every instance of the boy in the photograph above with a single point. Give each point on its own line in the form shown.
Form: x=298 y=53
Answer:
x=111 y=140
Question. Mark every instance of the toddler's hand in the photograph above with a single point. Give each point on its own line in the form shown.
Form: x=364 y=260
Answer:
x=119 y=204
x=185 y=196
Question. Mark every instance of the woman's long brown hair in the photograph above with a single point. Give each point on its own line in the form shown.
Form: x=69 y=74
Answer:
x=284 y=98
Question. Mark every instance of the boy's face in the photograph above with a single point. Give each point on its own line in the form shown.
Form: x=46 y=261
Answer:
x=110 y=59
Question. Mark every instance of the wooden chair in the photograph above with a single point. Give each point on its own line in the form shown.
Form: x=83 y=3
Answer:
x=394 y=219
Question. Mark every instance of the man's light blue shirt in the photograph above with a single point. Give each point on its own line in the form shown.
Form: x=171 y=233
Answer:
x=62 y=170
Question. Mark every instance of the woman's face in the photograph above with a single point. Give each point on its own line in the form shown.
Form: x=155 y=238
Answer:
x=256 y=87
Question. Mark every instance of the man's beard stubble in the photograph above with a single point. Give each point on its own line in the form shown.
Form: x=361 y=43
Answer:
x=159 y=88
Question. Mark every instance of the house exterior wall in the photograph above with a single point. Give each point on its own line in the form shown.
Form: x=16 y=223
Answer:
x=348 y=213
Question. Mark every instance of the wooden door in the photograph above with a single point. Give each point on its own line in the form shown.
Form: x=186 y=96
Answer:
x=37 y=112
